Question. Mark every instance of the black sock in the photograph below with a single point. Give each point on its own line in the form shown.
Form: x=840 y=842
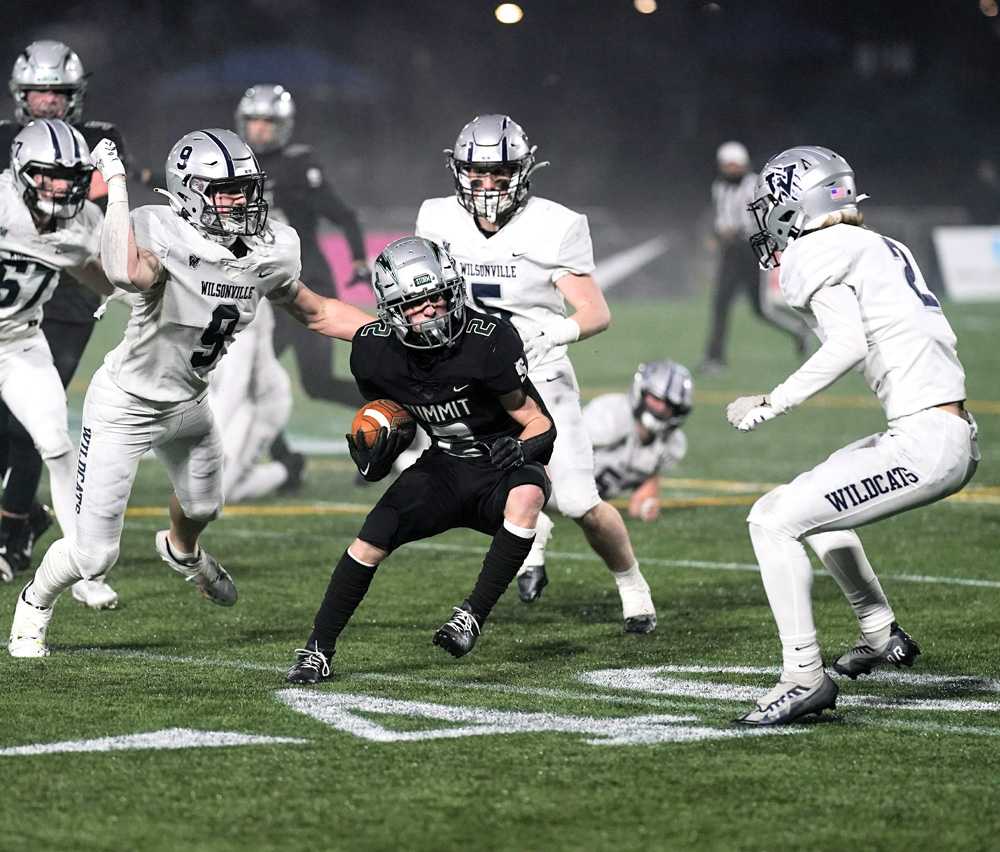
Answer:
x=25 y=473
x=13 y=527
x=348 y=585
x=505 y=556
x=279 y=448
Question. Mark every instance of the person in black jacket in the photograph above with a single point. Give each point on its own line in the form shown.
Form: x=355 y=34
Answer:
x=298 y=193
x=48 y=81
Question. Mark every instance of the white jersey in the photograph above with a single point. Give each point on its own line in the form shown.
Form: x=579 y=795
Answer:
x=912 y=363
x=513 y=272
x=621 y=461
x=30 y=262
x=181 y=327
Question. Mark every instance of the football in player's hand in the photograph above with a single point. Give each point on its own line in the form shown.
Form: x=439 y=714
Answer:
x=378 y=414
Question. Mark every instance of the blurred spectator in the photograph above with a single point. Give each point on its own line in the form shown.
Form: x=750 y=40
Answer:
x=732 y=191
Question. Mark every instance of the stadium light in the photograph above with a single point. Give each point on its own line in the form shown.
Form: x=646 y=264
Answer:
x=644 y=7
x=508 y=13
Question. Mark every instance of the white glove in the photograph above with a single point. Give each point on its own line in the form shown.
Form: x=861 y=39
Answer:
x=105 y=157
x=747 y=412
x=556 y=333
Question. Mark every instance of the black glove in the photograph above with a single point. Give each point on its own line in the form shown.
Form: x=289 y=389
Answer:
x=375 y=462
x=507 y=453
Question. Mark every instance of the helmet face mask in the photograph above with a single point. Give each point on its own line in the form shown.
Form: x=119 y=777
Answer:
x=216 y=184
x=48 y=66
x=271 y=103
x=671 y=384
x=491 y=165
x=51 y=163
x=796 y=191
x=411 y=273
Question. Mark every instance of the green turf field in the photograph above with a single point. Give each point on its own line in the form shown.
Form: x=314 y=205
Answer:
x=558 y=732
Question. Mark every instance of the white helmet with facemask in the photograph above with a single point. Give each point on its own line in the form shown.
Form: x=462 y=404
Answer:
x=206 y=163
x=498 y=145
x=272 y=103
x=668 y=382
x=797 y=190
x=51 y=150
x=412 y=271
x=48 y=66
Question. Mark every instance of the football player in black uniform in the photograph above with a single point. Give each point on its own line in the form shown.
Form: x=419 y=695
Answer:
x=299 y=194
x=47 y=81
x=463 y=377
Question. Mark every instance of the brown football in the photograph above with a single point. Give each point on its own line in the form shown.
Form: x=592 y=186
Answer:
x=372 y=416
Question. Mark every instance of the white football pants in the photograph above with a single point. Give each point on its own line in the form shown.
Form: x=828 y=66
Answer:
x=251 y=396
x=921 y=458
x=118 y=429
x=32 y=390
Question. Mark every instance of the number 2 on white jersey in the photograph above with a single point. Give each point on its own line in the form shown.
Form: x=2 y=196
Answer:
x=920 y=288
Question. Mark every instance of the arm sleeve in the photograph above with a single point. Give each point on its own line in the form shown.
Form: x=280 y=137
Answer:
x=505 y=368
x=576 y=251
x=332 y=207
x=839 y=315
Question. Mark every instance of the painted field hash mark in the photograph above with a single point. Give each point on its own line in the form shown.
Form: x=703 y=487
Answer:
x=169 y=738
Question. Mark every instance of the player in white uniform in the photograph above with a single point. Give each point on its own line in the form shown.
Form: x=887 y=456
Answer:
x=523 y=258
x=46 y=226
x=636 y=437
x=251 y=396
x=868 y=303
x=196 y=271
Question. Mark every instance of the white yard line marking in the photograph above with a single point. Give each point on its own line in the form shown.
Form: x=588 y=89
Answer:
x=702 y=564
x=169 y=738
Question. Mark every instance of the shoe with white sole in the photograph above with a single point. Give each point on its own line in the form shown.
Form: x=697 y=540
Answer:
x=789 y=701
x=96 y=594
x=27 y=633
x=204 y=571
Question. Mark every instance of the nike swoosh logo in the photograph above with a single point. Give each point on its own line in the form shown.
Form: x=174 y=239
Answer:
x=459 y=388
x=264 y=274
x=518 y=253
x=366 y=469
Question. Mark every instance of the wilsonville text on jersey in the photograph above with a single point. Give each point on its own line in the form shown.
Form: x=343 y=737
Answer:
x=226 y=291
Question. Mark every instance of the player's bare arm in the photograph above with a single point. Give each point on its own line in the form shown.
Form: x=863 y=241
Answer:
x=645 y=500
x=92 y=276
x=126 y=264
x=527 y=413
x=591 y=312
x=326 y=316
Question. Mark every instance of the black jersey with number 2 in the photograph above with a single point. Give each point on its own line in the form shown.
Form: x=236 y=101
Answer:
x=453 y=393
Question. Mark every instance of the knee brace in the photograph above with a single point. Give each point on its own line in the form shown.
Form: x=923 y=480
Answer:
x=576 y=495
x=772 y=512
x=52 y=441
x=201 y=511
x=93 y=560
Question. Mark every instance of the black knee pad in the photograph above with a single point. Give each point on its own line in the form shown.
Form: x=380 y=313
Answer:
x=381 y=528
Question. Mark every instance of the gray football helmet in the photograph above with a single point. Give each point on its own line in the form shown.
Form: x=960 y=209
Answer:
x=48 y=66
x=408 y=272
x=797 y=189
x=499 y=145
x=206 y=162
x=52 y=149
x=668 y=381
x=271 y=102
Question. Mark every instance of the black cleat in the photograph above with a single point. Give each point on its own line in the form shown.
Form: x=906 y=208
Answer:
x=311 y=666
x=15 y=550
x=788 y=702
x=530 y=583
x=40 y=518
x=641 y=623
x=900 y=650
x=295 y=464
x=458 y=635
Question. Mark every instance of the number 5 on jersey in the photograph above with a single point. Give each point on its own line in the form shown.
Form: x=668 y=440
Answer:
x=221 y=328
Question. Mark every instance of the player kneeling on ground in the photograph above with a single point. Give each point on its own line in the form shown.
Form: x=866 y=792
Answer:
x=194 y=272
x=636 y=437
x=866 y=297
x=463 y=377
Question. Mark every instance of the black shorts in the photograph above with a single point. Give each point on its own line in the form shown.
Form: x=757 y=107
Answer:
x=441 y=492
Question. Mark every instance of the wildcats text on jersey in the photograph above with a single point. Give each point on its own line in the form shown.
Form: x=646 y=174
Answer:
x=219 y=290
x=871 y=486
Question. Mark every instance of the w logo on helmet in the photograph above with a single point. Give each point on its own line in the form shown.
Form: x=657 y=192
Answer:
x=783 y=182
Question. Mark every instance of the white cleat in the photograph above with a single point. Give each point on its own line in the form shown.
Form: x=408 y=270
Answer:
x=27 y=633
x=211 y=579
x=96 y=594
x=637 y=609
